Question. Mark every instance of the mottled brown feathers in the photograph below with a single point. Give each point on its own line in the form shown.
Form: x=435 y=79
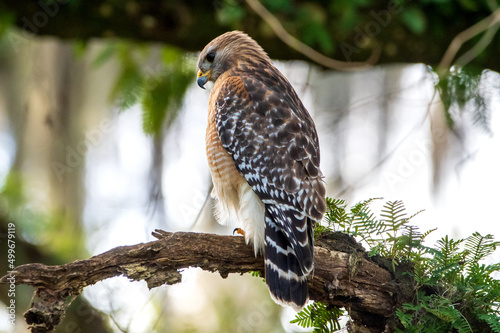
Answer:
x=269 y=169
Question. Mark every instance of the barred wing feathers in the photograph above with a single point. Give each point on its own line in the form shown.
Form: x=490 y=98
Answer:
x=270 y=135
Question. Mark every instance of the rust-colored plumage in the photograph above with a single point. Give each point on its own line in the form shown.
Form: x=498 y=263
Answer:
x=263 y=153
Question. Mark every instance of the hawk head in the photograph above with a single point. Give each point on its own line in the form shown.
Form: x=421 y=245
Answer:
x=226 y=52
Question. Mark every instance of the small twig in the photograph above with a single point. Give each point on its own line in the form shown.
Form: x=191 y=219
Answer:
x=312 y=54
x=468 y=56
x=457 y=42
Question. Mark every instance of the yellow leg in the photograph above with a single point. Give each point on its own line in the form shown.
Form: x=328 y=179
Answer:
x=239 y=231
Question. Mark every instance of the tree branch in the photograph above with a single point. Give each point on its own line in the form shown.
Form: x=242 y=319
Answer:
x=343 y=275
x=191 y=24
x=485 y=24
x=309 y=52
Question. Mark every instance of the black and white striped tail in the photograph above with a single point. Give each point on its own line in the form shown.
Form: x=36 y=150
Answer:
x=289 y=255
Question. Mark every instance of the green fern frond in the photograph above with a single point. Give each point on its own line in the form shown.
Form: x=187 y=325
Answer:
x=155 y=104
x=362 y=206
x=411 y=231
x=363 y=221
x=128 y=87
x=105 y=54
x=303 y=317
x=461 y=324
x=160 y=90
x=394 y=213
x=415 y=214
x=410 y=240
x=442 y=308
x=460 y=91
x=492 y=268
x=449 y=251
x=405 y=318
x=255 y=273
x=479 y=246
x=443 y=273
x=428 y=232
x=376 y=250
x=336 y=212
x=493 y=320
x=319 y=229
x=162 y=98
x=322 y=317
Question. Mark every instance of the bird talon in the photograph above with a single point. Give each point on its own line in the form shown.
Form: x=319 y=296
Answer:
x=239 y=231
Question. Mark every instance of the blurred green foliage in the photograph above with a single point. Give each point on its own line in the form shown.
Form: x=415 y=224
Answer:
x=468 y=91
x=7 y=20
x=155 y=76
x=414 y=19
x=53 y=231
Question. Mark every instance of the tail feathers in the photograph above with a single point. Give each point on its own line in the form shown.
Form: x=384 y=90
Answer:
x=284 y=290
x=288 y=261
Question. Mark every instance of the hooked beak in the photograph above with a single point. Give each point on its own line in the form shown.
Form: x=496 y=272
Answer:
x=203 y=78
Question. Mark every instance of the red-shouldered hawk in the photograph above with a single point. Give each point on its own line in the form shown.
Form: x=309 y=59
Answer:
x=263 y=153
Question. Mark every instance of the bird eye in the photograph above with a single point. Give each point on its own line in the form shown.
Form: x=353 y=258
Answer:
x=210 y=57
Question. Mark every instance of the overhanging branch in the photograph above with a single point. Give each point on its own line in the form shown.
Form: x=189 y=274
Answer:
x=343 y=275
x=380 y=24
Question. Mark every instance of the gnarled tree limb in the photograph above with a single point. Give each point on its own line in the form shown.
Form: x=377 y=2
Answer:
x=343 y=274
